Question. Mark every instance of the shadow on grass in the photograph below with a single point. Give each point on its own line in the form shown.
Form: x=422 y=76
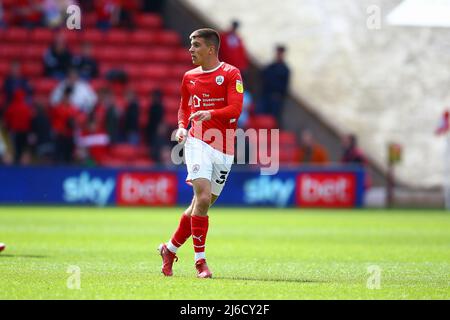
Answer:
x=22 y=256
x=270 y=280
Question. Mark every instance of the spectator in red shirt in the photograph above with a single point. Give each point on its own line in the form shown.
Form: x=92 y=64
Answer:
x=232 y=49
x=64 y=116
x=18 y=118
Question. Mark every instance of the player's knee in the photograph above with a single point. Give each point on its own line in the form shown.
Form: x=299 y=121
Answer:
x=203 y=199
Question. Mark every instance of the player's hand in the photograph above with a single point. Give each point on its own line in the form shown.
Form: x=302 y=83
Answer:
x=200 y=116
x=181 y=134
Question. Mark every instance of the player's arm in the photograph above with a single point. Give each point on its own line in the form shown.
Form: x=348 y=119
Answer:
x=235 y=97
x=184 y=112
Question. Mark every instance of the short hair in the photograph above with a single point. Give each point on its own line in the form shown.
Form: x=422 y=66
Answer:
x=210 y=36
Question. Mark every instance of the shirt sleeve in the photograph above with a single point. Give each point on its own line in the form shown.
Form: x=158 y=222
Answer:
x=235 y=98
x=184 y=110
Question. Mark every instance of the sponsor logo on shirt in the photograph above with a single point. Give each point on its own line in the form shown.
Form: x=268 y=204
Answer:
x=239 y=86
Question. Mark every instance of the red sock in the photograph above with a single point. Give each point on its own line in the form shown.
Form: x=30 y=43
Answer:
x=183 y=231
x=199 y=231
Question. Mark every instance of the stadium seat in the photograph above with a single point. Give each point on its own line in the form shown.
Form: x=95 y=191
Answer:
x=142 y=38
x=262 y=122
x=114 y=37
x=33 y=69
x=44 y=85
x=42 y=36
x=34 y=52
x=17 y=35
x=168 y=38
x=136 y=55
x=148 y=21
x=141 y=163
x=287 y=138
x=154 y=71
x=4 y=69
x=123 y=151
x=92 y=35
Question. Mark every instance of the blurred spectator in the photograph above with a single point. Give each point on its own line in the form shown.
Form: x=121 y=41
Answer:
x=83 y=97
x=153 y=5
x=312 y=152
x=15 y=81
x=57 y=58
x=112 y=118
x=5 y=157
x=127 y=9
x=351 y=152
x=107 y=12
x=166 y=157
x=131 y=119
x=18 y=121
x=232 y=49
x=42 y=134
x=275 y=83
x=55 y=12
x=85 y=63
x=64 y=125
x=247 y=108
x=27 y=13
x=2 y=18
x=92 y=143
x=160 y=142
x=155 y=117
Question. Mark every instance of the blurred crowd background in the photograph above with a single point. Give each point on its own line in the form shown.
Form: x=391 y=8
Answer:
x=108 y=94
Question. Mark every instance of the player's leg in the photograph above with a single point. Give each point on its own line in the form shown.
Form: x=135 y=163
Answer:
x=200 y=224
x=182 y=233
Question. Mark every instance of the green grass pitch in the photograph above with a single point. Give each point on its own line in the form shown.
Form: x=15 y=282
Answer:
x=253 y=253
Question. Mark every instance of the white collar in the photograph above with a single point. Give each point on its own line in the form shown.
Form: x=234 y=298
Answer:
x=212 y=70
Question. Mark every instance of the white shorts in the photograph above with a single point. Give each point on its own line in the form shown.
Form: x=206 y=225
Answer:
x=203 y=161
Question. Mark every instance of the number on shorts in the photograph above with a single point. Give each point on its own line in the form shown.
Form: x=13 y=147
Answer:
x=222 y=178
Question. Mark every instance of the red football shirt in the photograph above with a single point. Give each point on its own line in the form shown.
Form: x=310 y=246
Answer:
x=221 y=92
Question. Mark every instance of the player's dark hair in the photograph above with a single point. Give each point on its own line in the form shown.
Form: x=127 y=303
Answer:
x=210 y=36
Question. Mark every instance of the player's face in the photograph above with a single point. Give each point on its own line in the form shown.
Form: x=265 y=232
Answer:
x=199 y=51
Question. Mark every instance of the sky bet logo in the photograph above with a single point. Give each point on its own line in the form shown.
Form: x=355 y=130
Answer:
x=87 y=189
x=266 y=189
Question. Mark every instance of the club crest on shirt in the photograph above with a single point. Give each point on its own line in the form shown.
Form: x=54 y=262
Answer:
x=219 y=80
x=239 y=86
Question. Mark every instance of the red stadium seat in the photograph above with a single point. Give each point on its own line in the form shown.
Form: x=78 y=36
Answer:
x=142 y=38
x=18 y=35
x=88 y=20
x=114 y=37
x=149 y=21
x=168 y=38
x=262 y=122
x=92 y=35
x=34 y=52
x=4 y=68
x=124 y=151
x=112 y=162
x=141 y=163
x=44 y=85
x=154 y=71
x=33 y=69
x=136 y=55
x=42 y=36
x=287 y=138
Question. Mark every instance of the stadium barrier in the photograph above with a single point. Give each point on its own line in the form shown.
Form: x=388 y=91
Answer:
x=291 y=187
